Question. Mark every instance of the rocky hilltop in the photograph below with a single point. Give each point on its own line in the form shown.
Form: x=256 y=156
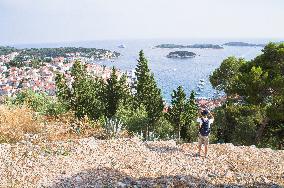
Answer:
x=130 y=162
x=212 y=46
x=181 y=54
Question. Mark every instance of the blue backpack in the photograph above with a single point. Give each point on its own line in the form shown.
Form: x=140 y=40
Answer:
x=205 y=129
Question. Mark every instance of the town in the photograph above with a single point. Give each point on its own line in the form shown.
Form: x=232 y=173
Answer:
x=42 y=78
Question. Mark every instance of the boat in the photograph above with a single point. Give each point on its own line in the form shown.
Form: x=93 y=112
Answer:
x=200 y=88
x=122 y=46
x=201 y=83
x=201 y=80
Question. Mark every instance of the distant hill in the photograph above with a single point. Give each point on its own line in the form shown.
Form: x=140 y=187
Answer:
x=243 y=44
x=212 y=46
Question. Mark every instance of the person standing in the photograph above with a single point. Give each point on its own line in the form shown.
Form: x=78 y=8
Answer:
x=205 y=122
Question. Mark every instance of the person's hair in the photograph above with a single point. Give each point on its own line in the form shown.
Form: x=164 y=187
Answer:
x=204 y=112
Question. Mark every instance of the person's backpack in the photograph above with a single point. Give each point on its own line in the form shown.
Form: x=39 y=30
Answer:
x=205 y=129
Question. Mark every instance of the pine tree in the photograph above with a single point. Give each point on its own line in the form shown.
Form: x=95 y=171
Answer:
x=148 y=94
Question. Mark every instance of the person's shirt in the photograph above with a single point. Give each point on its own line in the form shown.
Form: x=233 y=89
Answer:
x=211 y=120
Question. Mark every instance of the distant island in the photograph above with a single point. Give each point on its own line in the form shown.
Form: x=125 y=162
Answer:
x=243 y=44
x=212 y=46
x=181 y=54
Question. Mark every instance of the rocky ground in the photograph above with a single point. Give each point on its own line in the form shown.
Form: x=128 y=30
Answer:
x=131 y=163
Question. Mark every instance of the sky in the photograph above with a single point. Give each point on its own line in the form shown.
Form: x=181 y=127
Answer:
x=47 y=21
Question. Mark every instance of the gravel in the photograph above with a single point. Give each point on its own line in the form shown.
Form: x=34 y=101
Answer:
x=130 y=162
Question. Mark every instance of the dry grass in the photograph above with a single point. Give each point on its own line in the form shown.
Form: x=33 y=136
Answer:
x=66 y=127
x=15 y=122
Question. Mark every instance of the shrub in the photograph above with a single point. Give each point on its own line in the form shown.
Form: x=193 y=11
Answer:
x=164 y=129
x=39 y=102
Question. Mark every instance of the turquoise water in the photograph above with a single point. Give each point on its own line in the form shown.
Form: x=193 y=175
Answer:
x=170 y=73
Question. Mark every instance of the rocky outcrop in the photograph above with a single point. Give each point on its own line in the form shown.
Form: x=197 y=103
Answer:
x=181 y=54
x=212 y=46
x=130 y=162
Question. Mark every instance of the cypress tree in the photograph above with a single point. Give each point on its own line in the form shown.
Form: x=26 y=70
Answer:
x=182 y=112
x=148 y=94
x=177 y=113
x=116 y=92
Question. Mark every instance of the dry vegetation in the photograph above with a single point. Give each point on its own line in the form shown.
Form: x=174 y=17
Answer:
x=15 y=122
x=20 y=123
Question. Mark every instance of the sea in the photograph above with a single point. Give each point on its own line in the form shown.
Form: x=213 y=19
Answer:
x=170 y=73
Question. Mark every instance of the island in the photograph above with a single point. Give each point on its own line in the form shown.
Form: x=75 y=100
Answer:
x=38 y=56
x=181 y=54
x=202 y=46
x=243 y=44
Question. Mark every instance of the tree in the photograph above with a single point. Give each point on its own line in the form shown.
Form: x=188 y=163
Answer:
x=225 y=77
x=188 y=131
x=257 y=85
x=116 y=91
x=148 y=94
x=85 y=93
x=63 y=93
x=177 y=113
x=182 y=112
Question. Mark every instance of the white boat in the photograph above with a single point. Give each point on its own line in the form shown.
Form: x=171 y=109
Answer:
x=201 y=83
x=122 y=46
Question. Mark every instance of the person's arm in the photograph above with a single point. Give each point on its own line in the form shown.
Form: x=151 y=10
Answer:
x=199 y=122
x=211 y=116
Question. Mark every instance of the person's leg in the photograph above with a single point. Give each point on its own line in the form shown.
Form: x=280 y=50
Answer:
x=206 y=142
x=206 y=147
x=199 y=145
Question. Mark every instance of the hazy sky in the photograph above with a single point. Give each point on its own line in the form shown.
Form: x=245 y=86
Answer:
x=36 y=21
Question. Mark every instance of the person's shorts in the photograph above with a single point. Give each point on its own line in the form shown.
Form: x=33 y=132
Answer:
x=203 y=140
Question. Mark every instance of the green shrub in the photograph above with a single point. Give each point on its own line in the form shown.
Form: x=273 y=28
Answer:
x=164 y=129
x=39 y=102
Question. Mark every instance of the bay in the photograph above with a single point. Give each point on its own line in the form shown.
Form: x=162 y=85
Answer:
x=170 y=73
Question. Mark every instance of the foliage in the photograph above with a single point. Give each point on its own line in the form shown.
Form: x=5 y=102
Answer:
x=135 y=119
x=5 y=50
x=164 y=129
x=182 y=113
x=176 y=112
x=63 y=92
x=225 y=77
x=39 y=102
x=257 y=87
x=116 y=91
x=86 y=93
x=148 y=94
